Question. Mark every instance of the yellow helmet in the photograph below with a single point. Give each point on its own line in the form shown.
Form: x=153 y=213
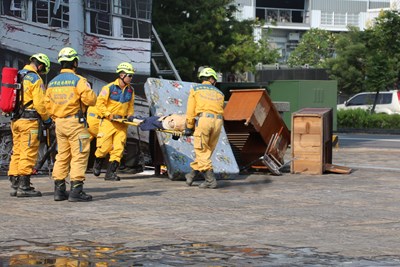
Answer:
x=67 y=54
x=42 y=58
x=208 y=72
x=125 y=67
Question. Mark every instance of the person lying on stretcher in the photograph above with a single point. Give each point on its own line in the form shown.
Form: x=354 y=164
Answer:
x=173 y=122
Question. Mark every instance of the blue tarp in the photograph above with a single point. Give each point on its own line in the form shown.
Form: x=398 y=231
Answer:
x=167 y=97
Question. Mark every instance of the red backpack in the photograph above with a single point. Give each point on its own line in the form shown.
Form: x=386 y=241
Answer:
x=9 y=89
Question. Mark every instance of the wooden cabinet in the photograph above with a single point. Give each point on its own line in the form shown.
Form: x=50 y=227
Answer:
x=311 y=139
x=255 y=129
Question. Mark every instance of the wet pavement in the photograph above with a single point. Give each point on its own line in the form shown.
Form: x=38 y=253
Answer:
x=252 y=220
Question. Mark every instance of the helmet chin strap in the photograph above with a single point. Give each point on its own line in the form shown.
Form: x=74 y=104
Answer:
x=36 y=64
x=122 y=78
x=212 y=81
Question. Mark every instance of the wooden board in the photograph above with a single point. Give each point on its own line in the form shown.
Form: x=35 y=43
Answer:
x=337 y=169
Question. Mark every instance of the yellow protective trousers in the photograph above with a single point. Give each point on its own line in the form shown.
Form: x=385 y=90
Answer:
x=25 y=147
x=73 y=142
x=206 y=137
x=111 y=139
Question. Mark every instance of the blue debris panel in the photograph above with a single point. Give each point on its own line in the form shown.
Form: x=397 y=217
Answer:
x=167 y=97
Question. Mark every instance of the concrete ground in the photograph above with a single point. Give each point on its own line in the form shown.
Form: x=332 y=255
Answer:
x=339 y=219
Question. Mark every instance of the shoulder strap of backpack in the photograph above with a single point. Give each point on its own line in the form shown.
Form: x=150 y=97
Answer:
x=24 y=106
x=21 y=77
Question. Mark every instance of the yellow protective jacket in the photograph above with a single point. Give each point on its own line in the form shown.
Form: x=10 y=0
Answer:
x=34 y=90
x=68 y=93
x=115 y=100
x=92 y=112
x=203 y=98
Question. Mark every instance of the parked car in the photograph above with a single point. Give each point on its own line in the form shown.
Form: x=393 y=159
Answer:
x=388 y=102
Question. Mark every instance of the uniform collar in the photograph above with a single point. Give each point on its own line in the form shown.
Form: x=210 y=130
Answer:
x=206 y=82
x=67 y=71
x=30 y=68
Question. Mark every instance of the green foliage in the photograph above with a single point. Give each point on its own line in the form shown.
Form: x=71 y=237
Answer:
x=368 y=60
x=206 y=33
x=387 y=33
x=362 y=119
x=348 y=67
x=244 y=54
x=383 y=63
x=315 y=46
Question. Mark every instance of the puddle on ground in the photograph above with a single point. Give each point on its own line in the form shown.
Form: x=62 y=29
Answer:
x=89 y=254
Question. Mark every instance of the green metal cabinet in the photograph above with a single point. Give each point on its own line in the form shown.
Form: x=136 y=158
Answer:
x=305 y=94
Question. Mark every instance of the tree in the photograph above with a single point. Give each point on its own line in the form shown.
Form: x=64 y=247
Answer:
x=368 y=60
x=384 y=46
x=206 y=33
x=348 y=65
x=315 y=46
x=382 y=62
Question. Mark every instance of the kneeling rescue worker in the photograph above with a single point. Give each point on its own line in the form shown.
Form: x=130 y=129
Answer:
x=206 y=102
x=25 y=128
x=115 y=101
x=67 y=98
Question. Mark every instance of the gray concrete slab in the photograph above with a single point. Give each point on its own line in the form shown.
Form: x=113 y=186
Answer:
x=353 y=216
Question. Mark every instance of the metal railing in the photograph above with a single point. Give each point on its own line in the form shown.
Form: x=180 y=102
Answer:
x=275 y=15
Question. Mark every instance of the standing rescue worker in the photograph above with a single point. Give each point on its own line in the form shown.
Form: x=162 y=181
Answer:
x=25 y=129
x=206 y=102
x=67 y=98
x=115 y=101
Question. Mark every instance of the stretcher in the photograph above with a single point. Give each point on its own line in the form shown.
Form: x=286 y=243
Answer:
x=170 y=97
x=138 y=122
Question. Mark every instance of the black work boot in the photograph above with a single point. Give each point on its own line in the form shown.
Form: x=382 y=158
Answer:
x=210 y=181
x=111 y=174
x=191 y=176
x=14 y=185
x=60 y=190
x=76 y=194
x=98 y=162
x=25 y=189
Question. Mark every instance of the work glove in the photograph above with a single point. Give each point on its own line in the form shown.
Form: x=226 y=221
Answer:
x=131 y=118
x=188 y=132
x=176 y=136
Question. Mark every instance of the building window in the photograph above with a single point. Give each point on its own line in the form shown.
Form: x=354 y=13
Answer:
x=16 y=8
x=54 y=13
x=99 y=5
x=59 y=13
x=120 y=18
x=41 y=13
x=99 y=15
x=122 y=7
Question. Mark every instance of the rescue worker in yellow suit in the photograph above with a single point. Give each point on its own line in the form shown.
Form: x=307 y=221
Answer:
x=115 y=101
x=207 y=103
x=26 y=128
x=67 y=97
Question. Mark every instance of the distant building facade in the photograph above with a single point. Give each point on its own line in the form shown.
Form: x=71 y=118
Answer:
x=288 y=20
